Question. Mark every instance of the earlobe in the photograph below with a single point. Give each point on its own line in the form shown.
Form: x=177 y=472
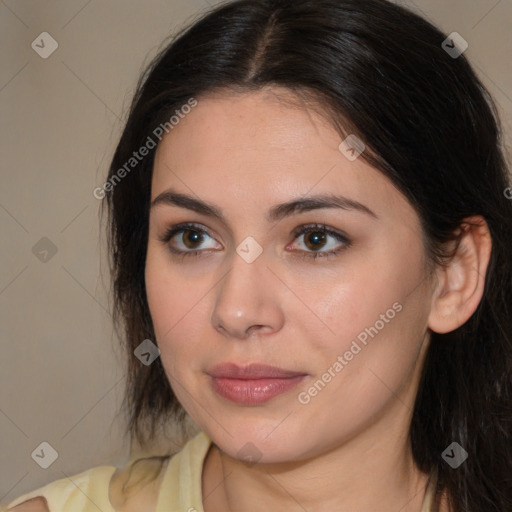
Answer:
x=461 y=281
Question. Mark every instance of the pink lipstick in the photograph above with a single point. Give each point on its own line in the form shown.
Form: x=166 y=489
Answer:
x=252 y=384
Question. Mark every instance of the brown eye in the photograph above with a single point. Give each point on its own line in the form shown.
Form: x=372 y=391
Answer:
x=189 y=240
x=315 y=240
x=318 y=241
x=192 y=238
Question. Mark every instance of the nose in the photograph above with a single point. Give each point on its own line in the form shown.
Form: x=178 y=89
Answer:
x=248 y=301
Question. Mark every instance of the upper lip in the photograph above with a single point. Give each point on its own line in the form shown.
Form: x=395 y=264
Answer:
x=251 y=371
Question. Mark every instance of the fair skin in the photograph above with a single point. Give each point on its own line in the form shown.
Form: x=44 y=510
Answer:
x=347 y=448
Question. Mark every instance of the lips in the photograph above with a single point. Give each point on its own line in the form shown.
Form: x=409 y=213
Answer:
x=251 y=371
x=252 y=384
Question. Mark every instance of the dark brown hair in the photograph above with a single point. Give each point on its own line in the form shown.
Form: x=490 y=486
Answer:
x=380 y=72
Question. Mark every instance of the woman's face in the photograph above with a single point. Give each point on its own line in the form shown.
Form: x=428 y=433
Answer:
x=348 y=328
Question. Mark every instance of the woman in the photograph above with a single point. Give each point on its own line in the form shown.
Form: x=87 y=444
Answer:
x=308 y=216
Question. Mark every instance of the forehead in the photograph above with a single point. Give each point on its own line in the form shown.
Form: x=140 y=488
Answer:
x=266 y=122
x=263 y=145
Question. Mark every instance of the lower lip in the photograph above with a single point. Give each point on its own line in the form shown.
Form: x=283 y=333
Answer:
x=253 y=391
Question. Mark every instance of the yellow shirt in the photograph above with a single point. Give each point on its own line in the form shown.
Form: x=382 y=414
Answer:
x=178 y=486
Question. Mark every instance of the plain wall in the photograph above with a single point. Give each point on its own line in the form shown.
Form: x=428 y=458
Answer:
x=61 y=368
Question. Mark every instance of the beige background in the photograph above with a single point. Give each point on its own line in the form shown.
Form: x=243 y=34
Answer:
x=61 y=370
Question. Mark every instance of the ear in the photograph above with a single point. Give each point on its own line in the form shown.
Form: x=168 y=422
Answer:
x=460 y=283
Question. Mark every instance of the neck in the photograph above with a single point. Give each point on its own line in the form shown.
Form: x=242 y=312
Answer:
x=373 y=471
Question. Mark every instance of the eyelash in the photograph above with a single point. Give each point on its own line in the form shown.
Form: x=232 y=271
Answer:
x=301 y=230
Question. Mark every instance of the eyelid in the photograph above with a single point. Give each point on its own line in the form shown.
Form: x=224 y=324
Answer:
x=306 y=228
x=342 y=238
x=298 y=231
x=183 y=226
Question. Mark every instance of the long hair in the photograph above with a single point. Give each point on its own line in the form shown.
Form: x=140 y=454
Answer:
x=382 y=73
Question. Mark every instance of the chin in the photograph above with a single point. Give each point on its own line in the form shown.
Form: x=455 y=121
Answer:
x=259 y=441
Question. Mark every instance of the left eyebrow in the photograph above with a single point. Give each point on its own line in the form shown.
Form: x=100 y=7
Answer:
x=317 y=202
x=276 y=213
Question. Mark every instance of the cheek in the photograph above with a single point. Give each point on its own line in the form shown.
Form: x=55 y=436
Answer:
x=179 y=309
x=374 y=312
x=161 y=295
x=349 y=303
x=377 y=319
x=167 y=297
x=171 y=296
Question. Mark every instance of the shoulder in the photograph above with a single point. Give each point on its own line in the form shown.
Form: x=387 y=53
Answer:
x=131 y=488
x=73 y=493
x=37 y=504
x=135 y=487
